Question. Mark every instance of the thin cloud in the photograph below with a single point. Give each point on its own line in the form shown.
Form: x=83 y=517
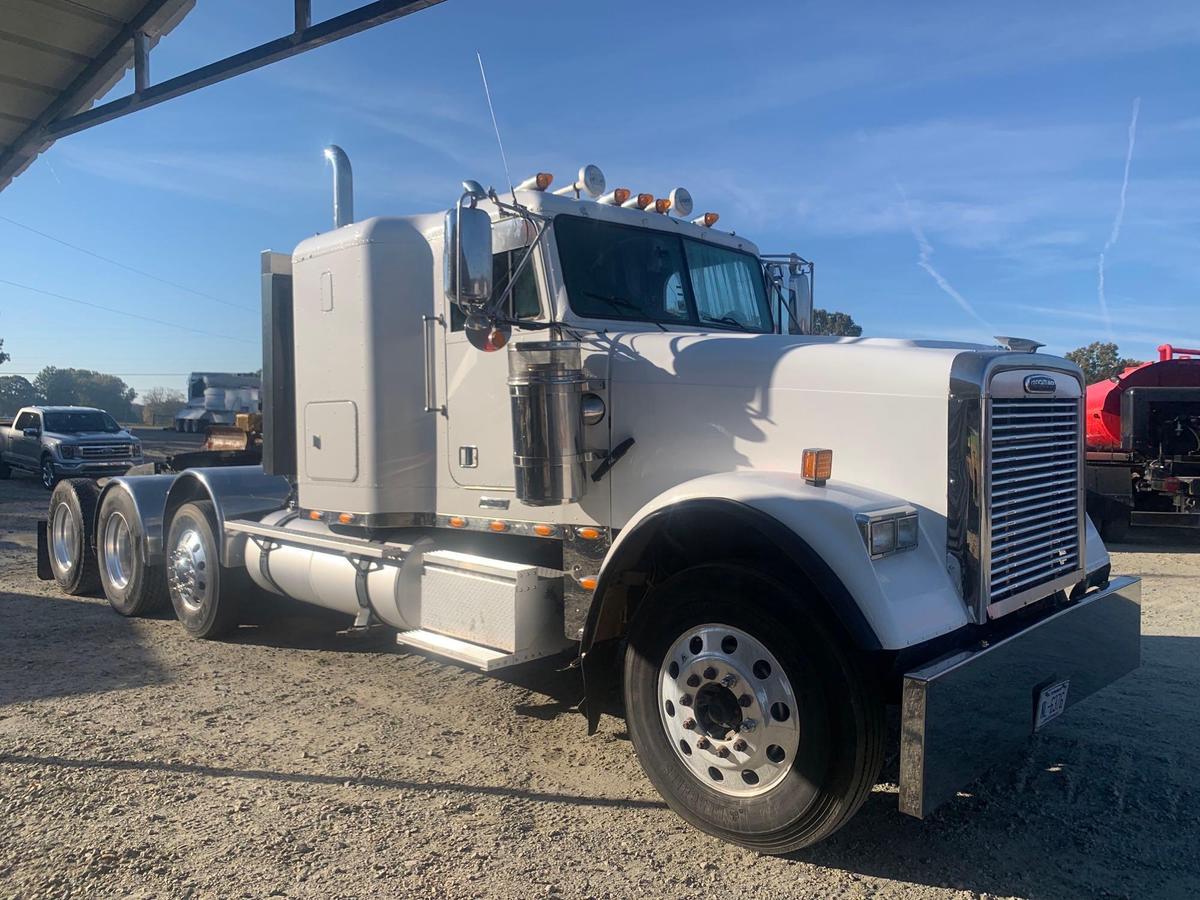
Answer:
x=925 y=253
x=1115 y=234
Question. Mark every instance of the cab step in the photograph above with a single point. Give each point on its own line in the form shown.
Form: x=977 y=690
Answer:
x=486 y=659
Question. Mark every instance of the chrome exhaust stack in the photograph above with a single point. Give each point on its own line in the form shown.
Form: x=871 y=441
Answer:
x=343 y=186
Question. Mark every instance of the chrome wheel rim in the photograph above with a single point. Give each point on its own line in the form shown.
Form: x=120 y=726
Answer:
x=62 y=537
x=118 y=551
x=47 y=473
x=728 y=710
x=187 y=574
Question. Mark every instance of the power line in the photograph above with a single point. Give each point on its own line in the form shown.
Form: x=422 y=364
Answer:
x=126 y=266
x=121 y=312
x=4 y=372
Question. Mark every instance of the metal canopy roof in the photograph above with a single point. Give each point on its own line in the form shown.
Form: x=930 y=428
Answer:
x=58 y=56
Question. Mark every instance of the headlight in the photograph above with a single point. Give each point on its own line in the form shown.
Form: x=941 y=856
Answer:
x=888 y=531
x=68 y=451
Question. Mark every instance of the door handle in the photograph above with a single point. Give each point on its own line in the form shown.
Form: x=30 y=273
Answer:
x=430 y=373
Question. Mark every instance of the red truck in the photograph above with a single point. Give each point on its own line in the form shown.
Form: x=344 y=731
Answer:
x=1143 y=445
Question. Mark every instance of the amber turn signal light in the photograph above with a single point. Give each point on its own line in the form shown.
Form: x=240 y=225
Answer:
x=817 y=465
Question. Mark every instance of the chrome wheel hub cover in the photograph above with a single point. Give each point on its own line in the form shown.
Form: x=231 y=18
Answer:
x=117 y=550
x=729 y=710
x=187 y=575
x=62 y=537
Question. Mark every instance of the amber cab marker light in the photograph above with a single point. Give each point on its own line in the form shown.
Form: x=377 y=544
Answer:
x=345 y=518
x=588 y=534
x=708 y=220
x=661 y=205
x=538 y=182
x=817 y=465
x=458 y=522
x=315 y=515
x=588 y=583
x=543 y=530
x=497 y=525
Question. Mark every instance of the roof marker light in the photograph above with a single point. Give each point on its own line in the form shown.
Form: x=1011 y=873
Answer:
x=641 y=201
x=708 y=220
x=661 y=205
x=538 y=182
x=615 y=197
x=590 y=182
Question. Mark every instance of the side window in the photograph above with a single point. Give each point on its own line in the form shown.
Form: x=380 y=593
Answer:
x=25 y=420
x=523 y=303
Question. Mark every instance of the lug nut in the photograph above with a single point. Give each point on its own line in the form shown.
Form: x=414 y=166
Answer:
x=710 y=673
x=689 y=724
x=739 y=745
x=748 y=725
x=722 y=751
x=745 y=700
x=729 y=680
x=693 y=680
x=685 y=700
x=703 y=744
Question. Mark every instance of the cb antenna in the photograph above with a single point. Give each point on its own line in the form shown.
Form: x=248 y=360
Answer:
x=504 y=159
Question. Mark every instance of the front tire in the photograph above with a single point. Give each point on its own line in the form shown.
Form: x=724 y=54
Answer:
x=48 y=472
x=747 y=710
x=206 y=595
x=132 y=587
x=70 y=531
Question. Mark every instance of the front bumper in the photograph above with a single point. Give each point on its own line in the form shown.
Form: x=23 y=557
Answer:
x=95 y=468
x=965 y=712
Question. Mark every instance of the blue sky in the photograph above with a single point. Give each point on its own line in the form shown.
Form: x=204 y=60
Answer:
x=955 y=170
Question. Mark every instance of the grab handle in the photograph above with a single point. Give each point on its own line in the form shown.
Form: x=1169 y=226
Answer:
x=430 y=375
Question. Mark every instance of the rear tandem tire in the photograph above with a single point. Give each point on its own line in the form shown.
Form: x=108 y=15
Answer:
x=207 y=596
x=133 y=587
x=72 y=518
x=749 y=712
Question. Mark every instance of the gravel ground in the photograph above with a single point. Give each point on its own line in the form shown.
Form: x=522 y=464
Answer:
x=293 y=761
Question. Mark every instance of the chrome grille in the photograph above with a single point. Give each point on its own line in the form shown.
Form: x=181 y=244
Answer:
x=106 y=451
x=1034 y=496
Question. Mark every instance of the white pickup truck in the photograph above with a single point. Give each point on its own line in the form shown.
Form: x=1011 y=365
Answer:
x=55 y=442
x=588 y=422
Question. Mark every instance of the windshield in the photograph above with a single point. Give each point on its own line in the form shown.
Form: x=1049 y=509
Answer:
x=622 y=272
x=80 y=422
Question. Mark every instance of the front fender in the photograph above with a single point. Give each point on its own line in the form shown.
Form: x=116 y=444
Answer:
x=888 y=604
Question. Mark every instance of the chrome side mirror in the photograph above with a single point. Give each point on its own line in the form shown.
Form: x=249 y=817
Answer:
x=467 y=266
x=800 y=304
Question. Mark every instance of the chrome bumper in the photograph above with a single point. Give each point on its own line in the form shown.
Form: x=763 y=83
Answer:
x=968 y=711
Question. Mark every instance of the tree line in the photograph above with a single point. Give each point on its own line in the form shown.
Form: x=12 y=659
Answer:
x=84 y=387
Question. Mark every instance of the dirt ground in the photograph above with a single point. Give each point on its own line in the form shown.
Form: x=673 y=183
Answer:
x=292 y=761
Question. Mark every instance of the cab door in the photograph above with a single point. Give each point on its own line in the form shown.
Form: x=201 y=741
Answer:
x=479 y=423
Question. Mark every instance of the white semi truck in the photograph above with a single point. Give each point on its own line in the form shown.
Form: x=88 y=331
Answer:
x=577 y=421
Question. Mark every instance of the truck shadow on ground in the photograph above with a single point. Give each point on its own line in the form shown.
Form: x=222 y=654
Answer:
x=60 y=647
x=315 y=778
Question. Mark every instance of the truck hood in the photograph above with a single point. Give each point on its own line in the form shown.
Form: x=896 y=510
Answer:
x=696 y=404
x=91 y=437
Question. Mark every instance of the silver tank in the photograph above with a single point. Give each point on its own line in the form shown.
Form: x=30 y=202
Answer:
x=546 y=383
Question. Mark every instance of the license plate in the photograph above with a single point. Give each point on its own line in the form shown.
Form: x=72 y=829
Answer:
x=1051 y=703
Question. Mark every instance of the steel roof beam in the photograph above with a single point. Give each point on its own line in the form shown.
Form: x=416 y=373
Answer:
x=318 y=35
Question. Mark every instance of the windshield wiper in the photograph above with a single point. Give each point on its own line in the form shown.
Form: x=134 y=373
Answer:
x=725 y=320
x=619 y=303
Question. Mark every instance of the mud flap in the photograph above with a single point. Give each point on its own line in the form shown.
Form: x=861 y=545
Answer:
x=44 y=572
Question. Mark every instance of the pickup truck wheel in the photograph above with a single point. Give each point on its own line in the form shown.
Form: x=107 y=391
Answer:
x=132 y=587
x=49 y=472
x=72 y=517
x=747 y=711
x=206 y=596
